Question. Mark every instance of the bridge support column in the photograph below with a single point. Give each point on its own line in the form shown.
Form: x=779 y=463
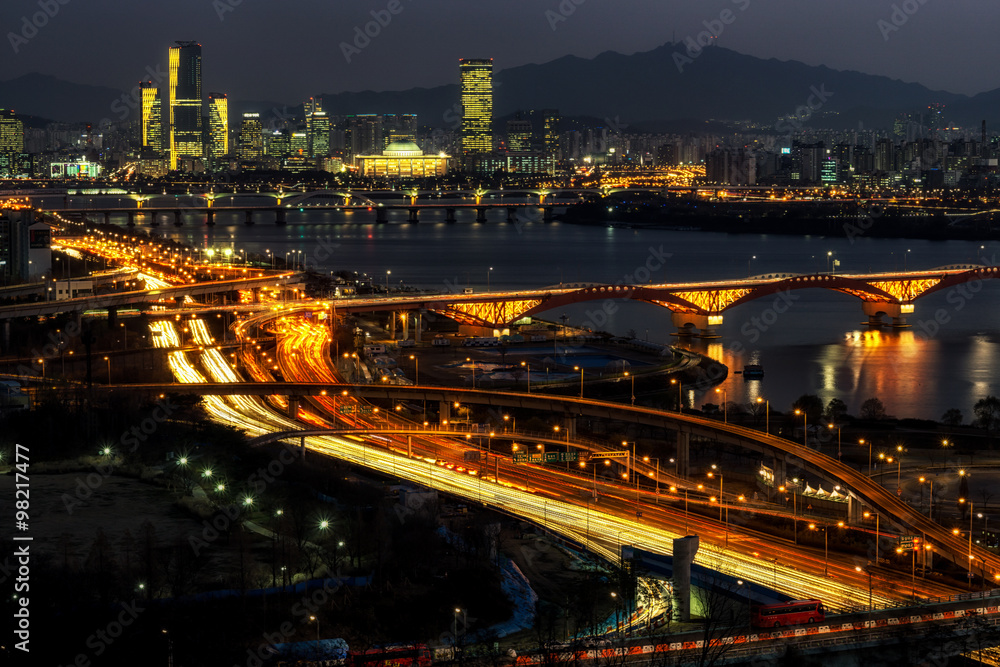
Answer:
x=547 y=215
x=210 y=218
x=112 y=317
x=392 y=325
x=875 y=310
x=153 y=222
x=131 y=219
x=480 y=214
x=293 y=406
x=569 y=427
x=511 y=214
x=683 y=454
x=279 y=217
x=249 y=219
x=5 y=343
x=685 y=549
x=418 y=324
x=414 y=215
x=256 y=294
x=854 y=509
x=406 y=326
x=302 y=448
x=705 y=324
x=177 y=219
x=107 y=217
x=381 y=214
x=449 y=215
x=444 y=414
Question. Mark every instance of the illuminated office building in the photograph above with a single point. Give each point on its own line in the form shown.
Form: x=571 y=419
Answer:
x=218 y=124
x=317 y=128
x=185 y=102
x=251 y=137
x=551 y=131
x=519 y=135
x=477 y=106
x=402 y=159
x=151 y=117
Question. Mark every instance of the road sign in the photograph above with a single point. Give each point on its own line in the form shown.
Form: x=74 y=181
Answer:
x=546 y=457
x=609 y=455
x=906 y=542
x=346 y=409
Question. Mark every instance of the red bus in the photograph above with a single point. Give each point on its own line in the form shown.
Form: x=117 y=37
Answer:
x=396 y=655
x=795 y=612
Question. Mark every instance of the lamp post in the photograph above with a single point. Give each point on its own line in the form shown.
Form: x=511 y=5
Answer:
x=108 y=359
x=725 y=405
x=316 y=618
x=416 y=367
x=387 y=273
x=805 y=428
x=826 y=547
x=832 y=426
x=971 y=515
x=628 y=374
x=767 y=414
x=680 y=390
x=527 y=370
x=862 y=442
x=657 y=478
x=722 y=502
x=580 y=368
x=930 y=502
x=488 y=274
x=858 y=568
x=740 y=582
x=986 y=523
x=899 y=468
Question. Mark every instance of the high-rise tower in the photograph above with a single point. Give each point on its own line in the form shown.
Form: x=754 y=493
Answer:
x=185 y=102
x=477 y=105
x=251 y=137
x=218 y=124
x=317 y=128
x=151 y=117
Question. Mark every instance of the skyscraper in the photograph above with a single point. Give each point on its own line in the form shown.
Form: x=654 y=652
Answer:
x=151 y=118
x=185 y=102
x=251 y=137
x=218 y=123
x=551 y=130
x=317 y=128
x=519 y=135
x=11 y=143
x=477 y=105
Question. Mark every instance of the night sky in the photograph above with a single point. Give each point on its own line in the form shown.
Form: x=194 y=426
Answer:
x=288 y=50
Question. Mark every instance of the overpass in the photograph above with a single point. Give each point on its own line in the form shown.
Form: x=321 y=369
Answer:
x=693 y=306
x=141 y=298
x=785 y=454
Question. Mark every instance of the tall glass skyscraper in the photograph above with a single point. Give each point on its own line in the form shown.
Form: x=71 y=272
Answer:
x=477 y=105
x=251 y=137
x=317 y=128
x=151 y=118
x=185 y=102
x=218 y=124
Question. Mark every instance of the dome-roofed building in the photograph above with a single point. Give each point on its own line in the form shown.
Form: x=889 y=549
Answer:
x=403 y=159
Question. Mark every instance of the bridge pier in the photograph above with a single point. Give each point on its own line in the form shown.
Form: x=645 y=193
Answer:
x=444 y=413
x=406 y=325
x=449 y=215
x=153 y=222
x=480 y=214
x=705 y=324
x=293 y=407
x=107 y=217
x=112 y=317
x=131 y=219
x=413 y=215
x=547 y=214
x=381 y=214
x=683 y=454
x=210 y=218
x=249 y=219
x=256 y=294
x=875 y=310
x=177 y=219
x=511 y=214
x=418 y=324
x=279 y=217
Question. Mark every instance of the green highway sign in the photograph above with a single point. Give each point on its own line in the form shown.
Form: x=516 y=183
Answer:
x=609 y=455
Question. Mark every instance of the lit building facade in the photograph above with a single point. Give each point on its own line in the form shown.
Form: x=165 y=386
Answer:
x=15 y=221
x=519 y=135
x=317 y=128
x=477 y=105
x=402 y=159
x=185 y=102
x=251 y=137
x=218 y=123
x=151 y=117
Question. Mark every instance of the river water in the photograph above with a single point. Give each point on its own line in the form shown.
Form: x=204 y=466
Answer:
x=810 y=342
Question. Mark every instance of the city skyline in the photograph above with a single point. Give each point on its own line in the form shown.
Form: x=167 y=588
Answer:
x=342 y=52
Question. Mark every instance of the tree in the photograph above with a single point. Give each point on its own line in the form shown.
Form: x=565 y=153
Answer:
x=952 y=417
x=872 y=408
x=835 y=409
x=811 y=405
x=987 y=411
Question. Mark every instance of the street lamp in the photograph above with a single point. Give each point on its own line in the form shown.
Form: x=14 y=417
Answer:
x=316 y=618
x=930 y=503
x=868 y=570
x=971 y=514
x=527 y=370
x=647 y=459
x=826 y=547
x=416 y=366
x=725 y=405
x=488 y=274
x=680 y=390
x=767 y=414
x=861 y=441
x=579 y=368
x=387 y=282
x=108 y=359
x=805 y=428
x=628 y=374
x=722 y=502
x=832 y=426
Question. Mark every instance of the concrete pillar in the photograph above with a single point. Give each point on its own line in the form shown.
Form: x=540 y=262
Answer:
x=449 y=215
x=131 y=218
x=480 y=214
x=392 y=325
x=249 y=218
x=780 y=471
x=547 y=215
x=569 y=428
x=381 y=214
x=153 y=222
x=406 y=326
x=293 y=406
x=414 y=215
x=279 y=217
x=112 y=317
x=177 y=219
x=876 y=309
x=418 y=324
x=685 y=549
x=6 y=336
x=302 y=448
x=511 y=214
x=210 y=219
x=683 y=454
x=107 y=217
x=444 y=412
x=256 y=294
